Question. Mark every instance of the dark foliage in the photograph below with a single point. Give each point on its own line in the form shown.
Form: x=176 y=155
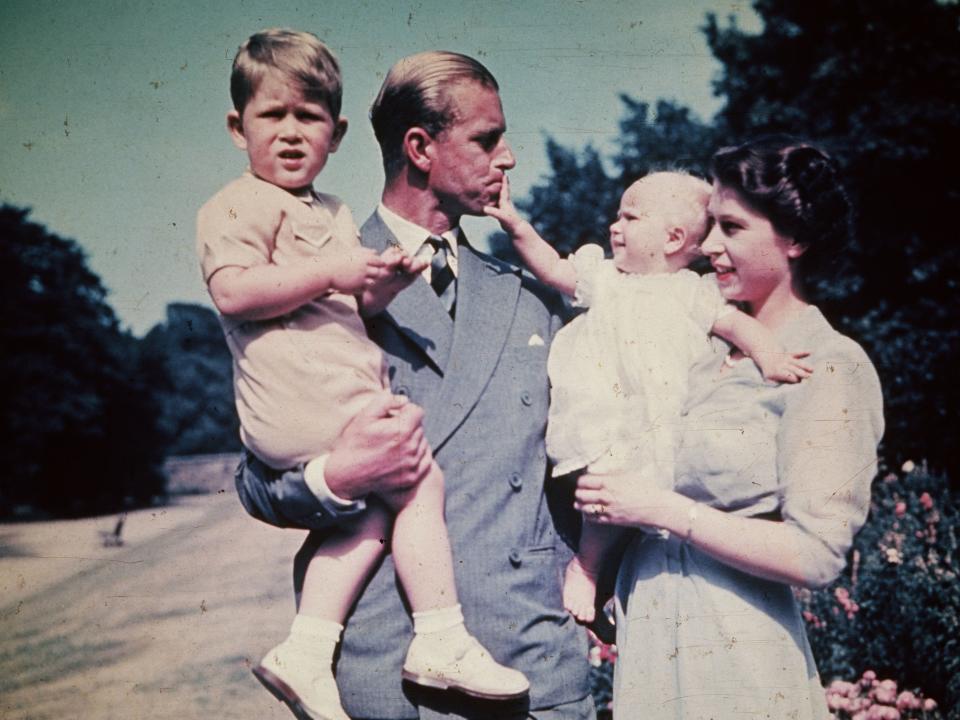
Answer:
x=188 y=366
x=77 y=422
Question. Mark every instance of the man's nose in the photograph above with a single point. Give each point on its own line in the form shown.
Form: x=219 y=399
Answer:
x=505 y=158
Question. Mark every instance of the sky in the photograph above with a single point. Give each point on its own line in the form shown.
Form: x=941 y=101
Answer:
x=112 y=113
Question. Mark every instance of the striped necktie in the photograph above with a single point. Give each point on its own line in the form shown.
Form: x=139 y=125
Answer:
x=442 y=279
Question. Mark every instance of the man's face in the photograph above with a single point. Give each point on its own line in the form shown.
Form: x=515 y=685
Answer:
x=468 y=159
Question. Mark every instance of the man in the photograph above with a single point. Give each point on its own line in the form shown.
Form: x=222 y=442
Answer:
x=468 y=343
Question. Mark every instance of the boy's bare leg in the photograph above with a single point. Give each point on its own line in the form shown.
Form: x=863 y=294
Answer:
x=580 y=579
x=421 y=545
x=299 y=671
x=341 y=565
x=443 y=653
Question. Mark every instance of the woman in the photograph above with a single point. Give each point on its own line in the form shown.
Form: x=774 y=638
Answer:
x=772 y=481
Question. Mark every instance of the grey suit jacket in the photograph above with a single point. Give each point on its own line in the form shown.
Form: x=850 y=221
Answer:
x=482 y=382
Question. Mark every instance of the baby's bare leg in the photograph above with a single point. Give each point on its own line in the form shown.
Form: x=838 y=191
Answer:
x=580 y=579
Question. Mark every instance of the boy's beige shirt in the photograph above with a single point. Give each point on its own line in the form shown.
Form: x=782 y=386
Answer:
x=301 y=377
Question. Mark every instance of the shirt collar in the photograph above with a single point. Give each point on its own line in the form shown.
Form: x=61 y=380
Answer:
x=308 y=196
x=411 y=236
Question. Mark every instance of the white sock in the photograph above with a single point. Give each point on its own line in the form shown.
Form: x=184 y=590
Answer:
x=433 y=621
x=442 y=630
x=315 y=637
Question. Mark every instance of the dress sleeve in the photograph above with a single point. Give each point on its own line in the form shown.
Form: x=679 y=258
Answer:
x=588 y=262
x=236 y=229
x=827 y=454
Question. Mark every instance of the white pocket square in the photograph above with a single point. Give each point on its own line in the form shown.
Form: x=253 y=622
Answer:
x=535 y=341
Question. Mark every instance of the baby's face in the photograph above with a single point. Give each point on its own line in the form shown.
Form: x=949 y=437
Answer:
x=287 y=136
x=639 y=234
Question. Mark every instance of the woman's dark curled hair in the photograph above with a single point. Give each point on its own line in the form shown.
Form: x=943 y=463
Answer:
x=797 y=186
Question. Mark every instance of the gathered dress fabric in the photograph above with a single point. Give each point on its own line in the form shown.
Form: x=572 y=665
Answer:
x=698 y=638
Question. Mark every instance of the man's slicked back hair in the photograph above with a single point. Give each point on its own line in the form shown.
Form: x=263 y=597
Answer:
x=416 y=93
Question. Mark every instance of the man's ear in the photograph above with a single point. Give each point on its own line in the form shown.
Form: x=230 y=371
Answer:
x=339 y=130
x=676 y=241
x=417 y=147
x=235 y=128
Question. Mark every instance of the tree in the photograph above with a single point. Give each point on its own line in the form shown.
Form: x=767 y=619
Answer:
x=188 y=365
x=77 y=422
x=877 y=83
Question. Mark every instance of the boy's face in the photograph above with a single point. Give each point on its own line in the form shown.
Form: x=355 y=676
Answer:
x=638 y=236
x=287 y=136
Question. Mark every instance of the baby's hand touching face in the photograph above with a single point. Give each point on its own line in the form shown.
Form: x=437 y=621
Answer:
x=504 y=211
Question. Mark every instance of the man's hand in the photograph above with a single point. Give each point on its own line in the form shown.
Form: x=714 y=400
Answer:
x=398 y=271
x=381 y=450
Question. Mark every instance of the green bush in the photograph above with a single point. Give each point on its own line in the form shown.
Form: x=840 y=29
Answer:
x=895 y=611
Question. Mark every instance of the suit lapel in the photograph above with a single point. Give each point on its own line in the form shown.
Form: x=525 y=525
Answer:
x=417 y=311
x=487 y=293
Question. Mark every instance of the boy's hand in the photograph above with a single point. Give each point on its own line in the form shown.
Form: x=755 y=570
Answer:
x=399 y=270
x=357 y=270
x=784 y=367
x=505 y=213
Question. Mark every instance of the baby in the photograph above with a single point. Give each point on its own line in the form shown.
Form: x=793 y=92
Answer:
x=285 y=269
x=618 y=372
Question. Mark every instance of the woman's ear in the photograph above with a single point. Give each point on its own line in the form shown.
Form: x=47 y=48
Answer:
x=416 y=146
x=795 y=249
x=235 y=128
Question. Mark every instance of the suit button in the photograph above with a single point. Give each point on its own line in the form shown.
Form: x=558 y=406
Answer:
x=515 y=558
x=402 y=390
x=525 y=398
x=516 y=482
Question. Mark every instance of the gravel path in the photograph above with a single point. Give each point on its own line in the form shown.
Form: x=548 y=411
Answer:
x=164 y=627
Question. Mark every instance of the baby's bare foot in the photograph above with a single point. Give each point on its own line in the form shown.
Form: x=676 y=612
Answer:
x=579 y=592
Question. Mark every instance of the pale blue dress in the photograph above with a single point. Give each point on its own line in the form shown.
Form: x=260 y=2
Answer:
x=700 y=639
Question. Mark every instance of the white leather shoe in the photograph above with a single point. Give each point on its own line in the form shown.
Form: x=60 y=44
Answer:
x=471 y=671
x=310 y=695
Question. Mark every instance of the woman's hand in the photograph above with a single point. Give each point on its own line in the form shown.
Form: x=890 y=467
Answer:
x=627 y=499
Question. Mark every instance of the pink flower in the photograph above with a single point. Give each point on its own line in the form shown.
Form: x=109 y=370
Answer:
x=868 y=678
x=926 y=501
x=900 y=510
x=907 y=701
x=929 y=705
x=886 y=692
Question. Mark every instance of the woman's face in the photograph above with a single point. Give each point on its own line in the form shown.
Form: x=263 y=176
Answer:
x=750 y=257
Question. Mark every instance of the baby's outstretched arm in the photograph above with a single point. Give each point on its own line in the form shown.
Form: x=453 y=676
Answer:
x=261 y=292
x=537 y=254
x=775 y=362
x=399 y=271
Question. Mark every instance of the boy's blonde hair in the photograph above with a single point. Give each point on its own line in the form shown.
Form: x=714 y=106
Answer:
x=300 y=56
x=416 y=93
x=682 y=201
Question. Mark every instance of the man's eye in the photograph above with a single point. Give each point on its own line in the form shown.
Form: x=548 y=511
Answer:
x=729 y=228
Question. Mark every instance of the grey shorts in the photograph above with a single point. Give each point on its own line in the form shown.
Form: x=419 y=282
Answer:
x=281 y=497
